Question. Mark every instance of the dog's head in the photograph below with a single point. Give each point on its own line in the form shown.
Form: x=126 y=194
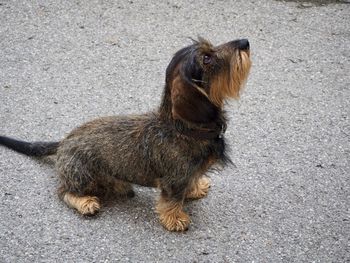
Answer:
x=201 y=76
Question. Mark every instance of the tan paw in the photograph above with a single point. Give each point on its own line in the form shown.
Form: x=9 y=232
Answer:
x=86 y=205
x=199 y=189
x=171 y=215
x=89 y=206
x=175 y=222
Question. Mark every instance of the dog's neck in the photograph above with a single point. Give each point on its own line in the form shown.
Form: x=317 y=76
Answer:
x=166 y=105
x=197 y=130
x=201 y=131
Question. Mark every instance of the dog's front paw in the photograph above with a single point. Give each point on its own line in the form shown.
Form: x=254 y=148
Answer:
x=200 y=188
x=175 y=221
x=172 y=217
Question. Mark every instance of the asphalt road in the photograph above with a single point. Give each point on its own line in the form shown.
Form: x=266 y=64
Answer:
x=286 y=199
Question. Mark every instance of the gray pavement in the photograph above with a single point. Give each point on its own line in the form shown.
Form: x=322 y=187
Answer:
x=287 y=199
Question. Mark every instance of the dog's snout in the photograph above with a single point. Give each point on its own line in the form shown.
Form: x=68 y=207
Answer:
x=243 y=44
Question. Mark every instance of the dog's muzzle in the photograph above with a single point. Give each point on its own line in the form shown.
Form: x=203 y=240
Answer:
x=241 y=44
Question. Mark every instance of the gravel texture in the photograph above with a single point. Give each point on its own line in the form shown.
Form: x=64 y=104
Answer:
x=287 y=198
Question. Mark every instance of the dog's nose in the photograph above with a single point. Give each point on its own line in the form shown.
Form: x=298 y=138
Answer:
x=243 y=44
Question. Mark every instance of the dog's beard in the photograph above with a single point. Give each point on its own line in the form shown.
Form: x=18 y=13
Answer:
x=229 y=82
x=240 y=68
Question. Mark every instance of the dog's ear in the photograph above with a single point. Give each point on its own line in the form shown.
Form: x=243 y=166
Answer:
x=189 y=99
x=190 y=104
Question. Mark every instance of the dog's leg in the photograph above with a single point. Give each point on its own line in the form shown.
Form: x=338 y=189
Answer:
x=171 y=214
x=199 y=188
x=123 y=188
x=86 y=205
x=170 y=209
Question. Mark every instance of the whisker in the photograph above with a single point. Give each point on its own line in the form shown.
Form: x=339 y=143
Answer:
x=198 y=80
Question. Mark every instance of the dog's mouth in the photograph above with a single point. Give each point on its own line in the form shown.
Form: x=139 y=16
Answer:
x=242 y=60
x=244 y=57
x=245 y=53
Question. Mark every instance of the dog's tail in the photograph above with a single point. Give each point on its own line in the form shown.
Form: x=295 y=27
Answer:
x=36 y=149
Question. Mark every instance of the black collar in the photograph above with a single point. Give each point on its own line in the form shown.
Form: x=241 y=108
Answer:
x=201 y=131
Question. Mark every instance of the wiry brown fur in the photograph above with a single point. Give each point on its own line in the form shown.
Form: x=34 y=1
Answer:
x=171 y=148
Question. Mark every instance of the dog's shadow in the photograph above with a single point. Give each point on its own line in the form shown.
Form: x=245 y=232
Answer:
x=139 y=208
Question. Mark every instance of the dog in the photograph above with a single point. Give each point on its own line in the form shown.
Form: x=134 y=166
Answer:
x=171 y=148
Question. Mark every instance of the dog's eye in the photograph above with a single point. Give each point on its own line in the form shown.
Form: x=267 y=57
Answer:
x=206 y=59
